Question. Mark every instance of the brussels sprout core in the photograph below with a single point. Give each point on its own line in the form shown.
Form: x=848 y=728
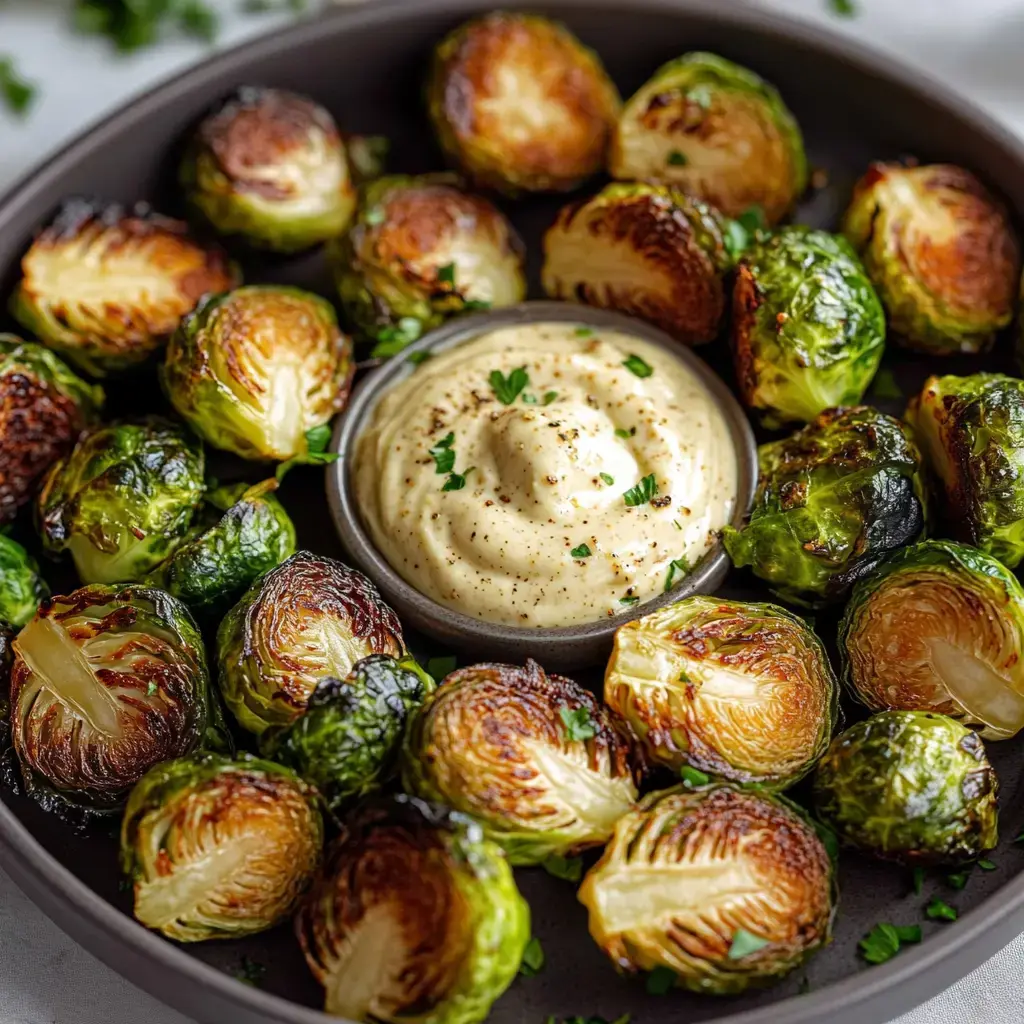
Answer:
x=688 y=870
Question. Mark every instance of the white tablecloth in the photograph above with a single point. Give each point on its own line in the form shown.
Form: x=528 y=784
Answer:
x=975 y=44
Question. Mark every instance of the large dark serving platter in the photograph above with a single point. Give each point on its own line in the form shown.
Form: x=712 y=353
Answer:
x=366 y=64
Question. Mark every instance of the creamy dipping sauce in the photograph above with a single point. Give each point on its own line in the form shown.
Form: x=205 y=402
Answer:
x=583 y=496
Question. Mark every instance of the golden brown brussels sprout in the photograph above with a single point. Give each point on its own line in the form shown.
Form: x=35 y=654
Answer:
x=718 y=131
x=218 y=849
x=416 y=917
x=106 y=683
x=740 y=691
x=536 y=759
x=645 y=250
x=254 y=370
x=105 y=286
x=43 y=409
x=941 y=252
x=307 y=619
x=270 y=166
x=520 y=104
x=726 y=888
x=422 y=250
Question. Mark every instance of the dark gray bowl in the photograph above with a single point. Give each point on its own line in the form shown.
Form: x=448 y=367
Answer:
x=366 y=63
x=567 y=647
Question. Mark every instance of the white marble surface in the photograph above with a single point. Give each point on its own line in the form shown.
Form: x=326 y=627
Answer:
x=975 y=45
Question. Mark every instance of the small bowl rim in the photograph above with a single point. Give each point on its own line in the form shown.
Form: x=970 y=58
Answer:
x=355 y=537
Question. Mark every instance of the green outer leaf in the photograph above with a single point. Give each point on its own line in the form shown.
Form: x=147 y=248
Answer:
x=21 y=586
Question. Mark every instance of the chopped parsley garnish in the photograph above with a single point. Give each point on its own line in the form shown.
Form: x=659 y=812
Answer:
x=441 y=666
x=883 y=942
x=578 y=723
x=251 y=972
x=392 y=339
x=677 y=159
x=937 y=910
x=584 y=332
x=677 y=569
x=456 y=481
x=629 y=599
x=622 y=432
x=569 y=869
x=701 y=95
x=507 y=389
x=316 y=454
x=549 y=397
x=739 y=233
x=642 y=493
x=844 y=8
x=609 y=480
x=131 y=25
x=374 y=216
x=660 y=981
x=446 y=274
x=637 y=366
x=678 y=525
x=583 y=551
x=884 y=385
x=533 y=958
x=17 y=94
x=917 y=880
x=958 y=879
x=684 y=676
x=693 y=776
x=744 y=943
x=986 y=865
x=443 y=454
x=151 y=689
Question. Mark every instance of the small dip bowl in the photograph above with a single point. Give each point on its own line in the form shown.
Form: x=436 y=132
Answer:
x=562 y=647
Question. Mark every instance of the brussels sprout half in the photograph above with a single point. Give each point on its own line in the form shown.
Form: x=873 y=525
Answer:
x=718 y=131
x=305 y=620
x=535 y=758
x=832 y=501
x=43 y=409
x=123 y=499
x=254 y=370
x=971 y=432
x=105 y=286
x=21 y=586
x=690 y=870
x=940 y=250
x=520 y=104
x=939 y=627
x=740 y=691
x=243 y=531
x=416 y=917
x=106 y=683
x=645 y=250
x=217 y=848
x=421 y=251
x=808 y=330
x=270 y=166
x=348 y=738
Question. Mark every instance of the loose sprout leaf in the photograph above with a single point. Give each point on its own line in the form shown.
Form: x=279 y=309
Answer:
x=917 y=880
x=578 y=723
x=957 y=879
x=317 y=439
x=641 y=493
x=677 y=569
x=533 y=958
x=441 y=666
x=637 y=366
x=744 y=943
x=677 y=159
x=660 y=981
x=18 y=95
x=884 y=385
x=393 y=339
x=570 y=869
x=367 y=153
x=908 y=933
x=582 y=551
x=938 y=910
x=884 y=940
x=693 y=776
x=739 y=233
x=986 y=865
x=607 y=478
x=507 y=389
x=446 y=274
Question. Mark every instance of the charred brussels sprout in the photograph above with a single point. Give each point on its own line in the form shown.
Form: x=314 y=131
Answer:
x=105 y=287
x=43 y=409
x=122 y=500
x=270 y=166
x=832 y=501
x=307 y=619
x=421 y=251
x=941 y=252
x=645 y=250
x=520 y=104
x=218 y=849
x=718 y=131
x=740 y=691
x=254 y=370
x=346 y=743
x=534 y=758
x=21 y=586
x=909 y=786
x=971 y=432
x=106 y=683
x=243 y=531
x=688 y=872
x=808 y=330
x=939 y=627
x=416 y=917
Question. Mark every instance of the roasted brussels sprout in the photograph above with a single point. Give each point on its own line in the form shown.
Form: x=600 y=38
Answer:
x=217 y=848
x=645 y=250
x=346 y=743
x=416 y=916
x=520 y=104
x=105 y=286
x=123 y=499
x=253 y=370
x=941 y=252
x=43 y=408
x=536 y=759
x=421 y=251
x=270 y=166
x=307 y=619
x=740 y=691
x=939 y=627
x=807 y=330
x=910 y=786
x=106 y=683
x=718 y=131
x=243 y=531
x=971 y=432
x=21 y=586
x=832 y=501
x=690 y=874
